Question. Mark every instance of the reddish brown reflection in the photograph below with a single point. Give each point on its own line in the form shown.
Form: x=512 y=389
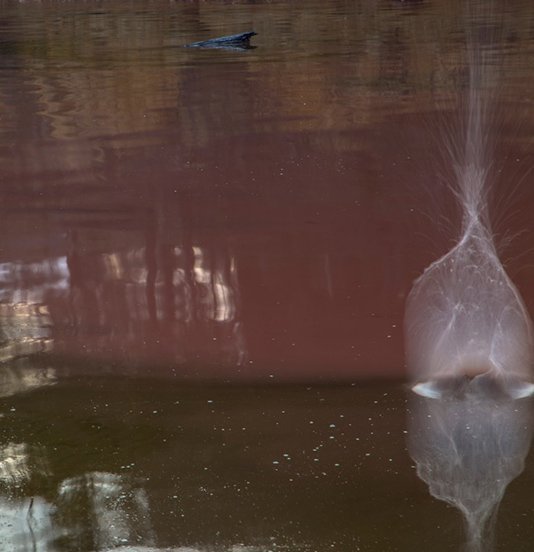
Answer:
x=252 y=276
x=213 y=214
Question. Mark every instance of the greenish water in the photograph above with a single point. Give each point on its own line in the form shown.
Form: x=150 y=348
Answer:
x=145 y=462
x=94 y=463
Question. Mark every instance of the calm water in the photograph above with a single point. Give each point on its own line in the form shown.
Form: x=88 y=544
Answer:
x=204 y=259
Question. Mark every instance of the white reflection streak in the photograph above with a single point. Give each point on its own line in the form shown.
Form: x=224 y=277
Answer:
x=27 y=525
x=25 y=321
x=224 y=310
x=120 y=513
x=26 y=522
x=14 y=464
x=218 y=296
x=24 y=331
x=21 y=282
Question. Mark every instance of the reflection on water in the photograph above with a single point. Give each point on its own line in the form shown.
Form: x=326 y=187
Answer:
x=181 y=297
x=147 y=464
x=114 y=511
x=25 y=321
x=468 y=446
x=19 y=374
x=222 y=214
x=93 y=512
x=26 y=525
x=184 y=298
x=18 y=462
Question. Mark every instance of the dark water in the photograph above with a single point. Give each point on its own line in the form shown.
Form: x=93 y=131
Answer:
x=204 y=258
x=101 y=463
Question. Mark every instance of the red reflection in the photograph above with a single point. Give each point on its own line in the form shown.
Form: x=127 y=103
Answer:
x=211 y=215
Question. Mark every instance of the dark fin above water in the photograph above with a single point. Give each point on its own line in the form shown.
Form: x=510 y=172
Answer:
x=231 y=42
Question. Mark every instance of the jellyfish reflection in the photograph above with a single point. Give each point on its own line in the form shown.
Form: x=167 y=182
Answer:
x=468 y=445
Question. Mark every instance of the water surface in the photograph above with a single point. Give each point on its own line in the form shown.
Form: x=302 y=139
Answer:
x=194 y=242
